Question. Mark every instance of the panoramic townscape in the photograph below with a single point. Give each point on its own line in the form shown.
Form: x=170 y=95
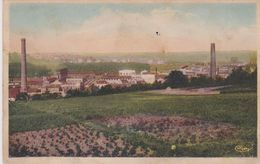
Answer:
x=94 y=84
x=65 y=81
x=81 y=140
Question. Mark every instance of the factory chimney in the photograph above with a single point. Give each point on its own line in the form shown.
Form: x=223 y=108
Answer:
x=23 y=67
x=212 y=61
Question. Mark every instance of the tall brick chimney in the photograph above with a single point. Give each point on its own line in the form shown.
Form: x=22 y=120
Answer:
x=212 y=61
x=23 y=67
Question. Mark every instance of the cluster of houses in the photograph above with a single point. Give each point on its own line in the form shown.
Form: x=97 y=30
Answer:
x=65 y=80
x=223 y=71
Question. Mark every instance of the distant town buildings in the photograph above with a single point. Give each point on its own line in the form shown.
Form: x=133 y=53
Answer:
x=148 y=77
x=194 y=70
x=211 y=70
x=127 y=72
x=65 y=80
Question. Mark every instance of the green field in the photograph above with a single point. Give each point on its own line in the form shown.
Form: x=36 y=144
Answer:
x=238 y=109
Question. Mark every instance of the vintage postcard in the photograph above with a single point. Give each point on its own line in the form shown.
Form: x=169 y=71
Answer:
x=117 y=81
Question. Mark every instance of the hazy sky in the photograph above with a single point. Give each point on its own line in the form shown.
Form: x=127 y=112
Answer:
x=132 y=27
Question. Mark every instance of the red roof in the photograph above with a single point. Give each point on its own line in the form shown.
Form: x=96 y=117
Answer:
x=101 y=82
x=13 y=92
x=34 y=82
x=51 y=79
x=34 y=78
x=124 y=81
x=185 y=66
x=53 y=86
x=33 y=90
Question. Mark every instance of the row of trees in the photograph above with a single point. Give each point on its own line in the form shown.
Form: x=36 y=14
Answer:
x=93 y=91
x=108 y=89
x=238 y=76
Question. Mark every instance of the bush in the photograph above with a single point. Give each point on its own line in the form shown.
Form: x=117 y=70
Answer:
x=201 y=81
x=22 y=97
x=176 y=79
x=241 y=76
x=36 y=97
x=48 y=95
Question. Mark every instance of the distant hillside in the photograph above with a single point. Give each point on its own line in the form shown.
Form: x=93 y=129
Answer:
x=38 y=67
x=41 y=67
x=179 y=57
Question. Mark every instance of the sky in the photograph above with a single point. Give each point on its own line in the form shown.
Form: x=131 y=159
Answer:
x=131 y=27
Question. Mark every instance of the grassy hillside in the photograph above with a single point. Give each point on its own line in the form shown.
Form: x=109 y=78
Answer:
x=238 y=109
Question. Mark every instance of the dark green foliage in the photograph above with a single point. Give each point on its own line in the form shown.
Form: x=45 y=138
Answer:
x=32 y=70
x=176 y=79
x=108 y=89
x=241 y=76
x=47 y=95
x=238 y=76
x=106 y=153
x=96 y=151
x=125 y=152
x=37 y=121
x=70 y=153
x=201 y=81
x=22 y=97
x=77 y=93
x=78 y=151
x=36 y=97
x=116 y=152
x=35 y=67
x=132 y=151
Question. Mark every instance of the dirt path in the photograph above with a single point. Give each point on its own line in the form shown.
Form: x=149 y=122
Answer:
x=189 y=91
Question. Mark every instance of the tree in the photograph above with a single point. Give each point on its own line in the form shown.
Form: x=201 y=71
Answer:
x=200 y=81
x=239 y=76
x=22 y=96
x=176 y=79
x=253 y=76
x=106 y=90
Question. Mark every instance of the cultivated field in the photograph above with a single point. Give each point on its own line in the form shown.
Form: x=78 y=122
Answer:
x=135 y=124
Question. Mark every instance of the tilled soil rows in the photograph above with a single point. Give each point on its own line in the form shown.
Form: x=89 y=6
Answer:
x=73 y=140
x=174 y=128
x=79 y=140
